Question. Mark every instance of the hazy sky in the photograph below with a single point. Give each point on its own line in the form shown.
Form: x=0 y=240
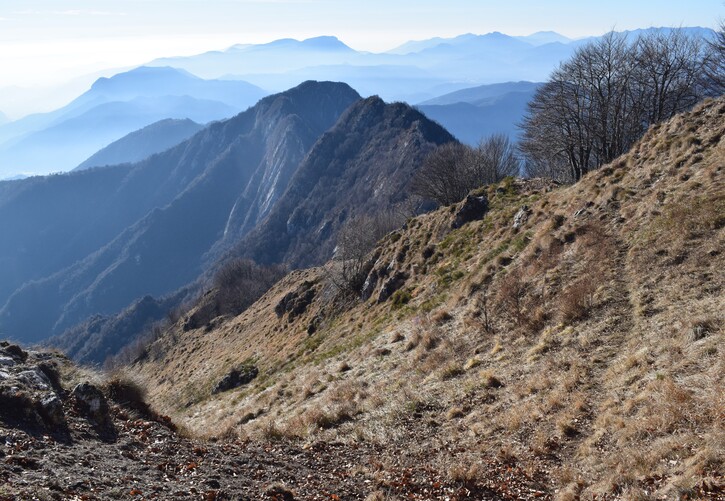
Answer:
x=46 y=42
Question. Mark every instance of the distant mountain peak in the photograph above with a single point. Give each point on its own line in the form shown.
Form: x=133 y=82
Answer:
x=142 y=72
x=325 y=41
x=321 y=43
x=544 y=37
x=313 y=89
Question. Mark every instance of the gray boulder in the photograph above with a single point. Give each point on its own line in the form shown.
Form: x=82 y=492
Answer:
x=51 y=408
x=473 y=209
x=34 y=379
x=91 y=402
x=391 y=285
x=236 y=378
x=521 y=216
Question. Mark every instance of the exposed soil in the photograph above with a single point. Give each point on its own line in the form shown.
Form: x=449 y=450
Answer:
x=143 y=459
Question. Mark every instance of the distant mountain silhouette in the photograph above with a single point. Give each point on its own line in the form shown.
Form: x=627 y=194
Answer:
x=112 y=108
x=95 y=240
x=544 y=37
x=473 y=114
x=279 y=56
x=143 y=143
x=413 y=72
x=165 y=81
x=62 y=146
x=483 y=94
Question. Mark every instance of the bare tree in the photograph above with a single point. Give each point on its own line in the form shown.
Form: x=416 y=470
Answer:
x=669 y=72
x=494 y=159
x=356 y=239
x=440 y=178
x=240 y=282
x=598 y=103
x=715 y=62
x=452 y=170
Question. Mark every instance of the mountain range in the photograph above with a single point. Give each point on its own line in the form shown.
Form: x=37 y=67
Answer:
x=416 y=72
x=113 y=107
x=93 y=241
x=475 y=113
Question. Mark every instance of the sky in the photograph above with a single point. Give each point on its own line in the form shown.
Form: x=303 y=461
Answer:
x=59 y=44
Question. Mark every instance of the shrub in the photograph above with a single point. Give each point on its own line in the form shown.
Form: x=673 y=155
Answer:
x=577 y=300
x=127 y=393
x=240 y=282
x=441 y=317
x=452 y=170
x=400 y=298
x=451 y=371
x=511 y=295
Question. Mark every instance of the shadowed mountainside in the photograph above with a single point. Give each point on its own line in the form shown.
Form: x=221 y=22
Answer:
x=363 y=165
x=143 y=228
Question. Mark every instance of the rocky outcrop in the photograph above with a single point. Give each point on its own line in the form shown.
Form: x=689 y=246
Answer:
x=472 y=209
x=91 y=402
x=237 y=377
x=295 y=302
x=30 y=392
x=392 y=284
x=521 y=216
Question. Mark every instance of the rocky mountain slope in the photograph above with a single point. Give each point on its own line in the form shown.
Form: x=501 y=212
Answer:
x=573 y=334
x=363 y=165
x=94 y=241
x=269 y=184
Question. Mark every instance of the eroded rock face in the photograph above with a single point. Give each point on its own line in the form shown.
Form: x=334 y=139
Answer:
x=51 y=410
x=391 y=285
x=473 y=209
x=35 y=379
x=295 y=303
x=14 y=351
x=369 y=286
x=30 y=390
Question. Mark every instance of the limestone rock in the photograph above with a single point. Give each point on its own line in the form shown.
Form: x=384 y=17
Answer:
x=391 y=285
x=521 y=216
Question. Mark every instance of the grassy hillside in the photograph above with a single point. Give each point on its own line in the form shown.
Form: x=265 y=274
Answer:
x=581 y=347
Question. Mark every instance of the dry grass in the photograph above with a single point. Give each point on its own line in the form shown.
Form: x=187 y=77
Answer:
x=600 y=363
